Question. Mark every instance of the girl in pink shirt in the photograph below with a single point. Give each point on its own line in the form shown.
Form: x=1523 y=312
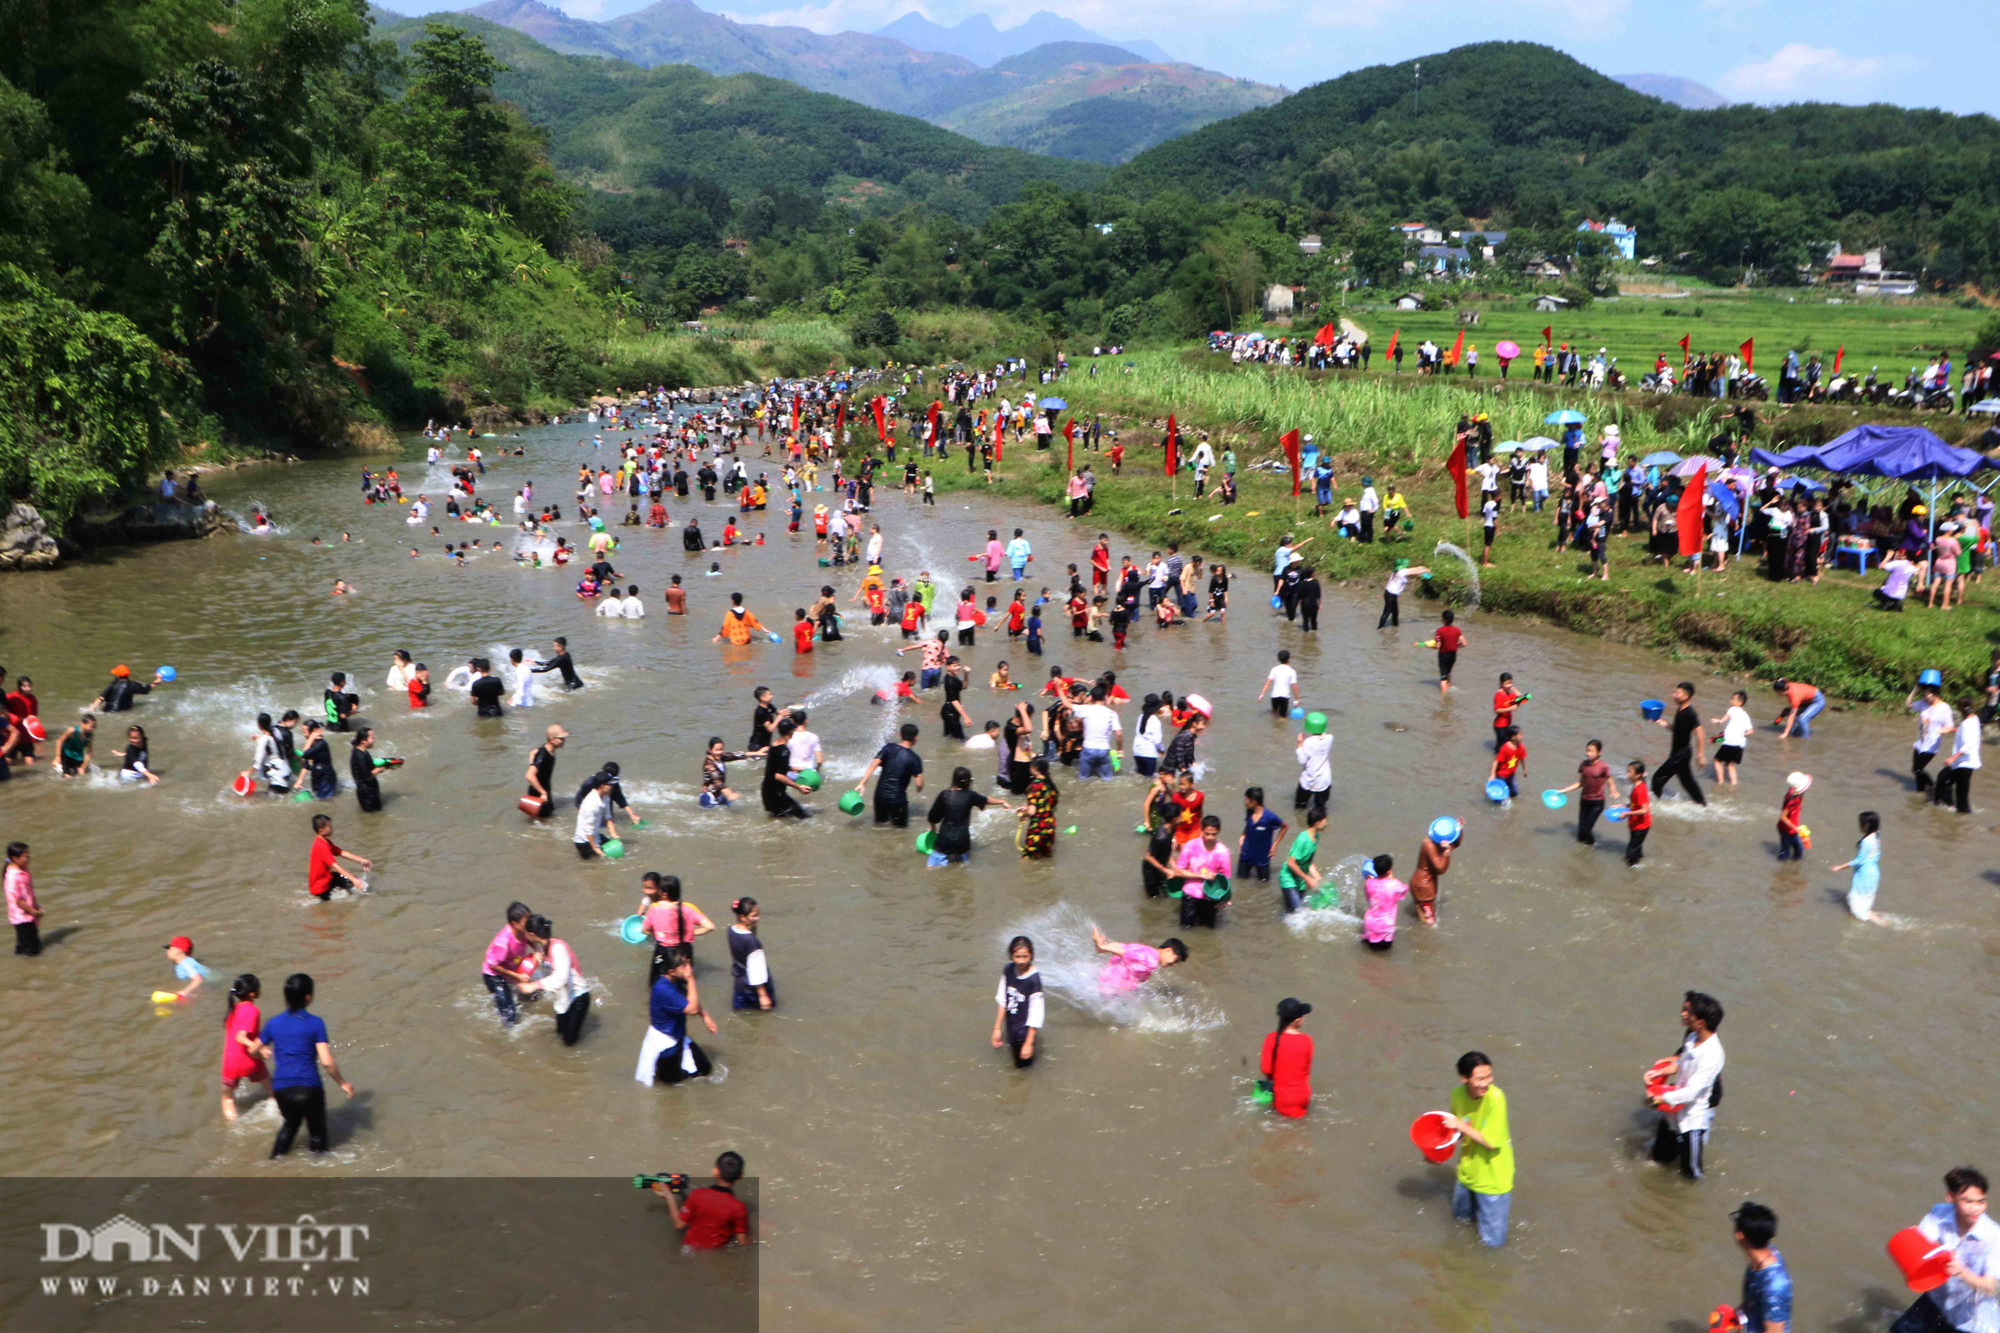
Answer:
x=1200 y=860
x=1132 y=964
x=23 y=912
x=1384 y=892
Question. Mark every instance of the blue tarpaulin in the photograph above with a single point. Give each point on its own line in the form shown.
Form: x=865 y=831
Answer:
x=1905 y=453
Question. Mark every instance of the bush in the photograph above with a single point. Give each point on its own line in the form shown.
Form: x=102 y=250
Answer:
x=875 y=328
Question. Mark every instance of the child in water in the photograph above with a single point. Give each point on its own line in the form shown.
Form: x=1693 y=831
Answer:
x=1791 y=818
x=1867 y=868
x=180 y=952
x=1133 y=964
x=1018 y=1022
x=1384 y=893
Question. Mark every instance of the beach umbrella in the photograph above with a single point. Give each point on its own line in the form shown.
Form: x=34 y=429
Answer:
x=1664 y=458
x=1056 y=403
x=1538 y=443
x=1687 y=467
x=1507 y=348
x=1569 y=416
x=1507 y=446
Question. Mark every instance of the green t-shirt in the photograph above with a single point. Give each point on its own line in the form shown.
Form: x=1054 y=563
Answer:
x=1485 y=1170
x=1304 y=847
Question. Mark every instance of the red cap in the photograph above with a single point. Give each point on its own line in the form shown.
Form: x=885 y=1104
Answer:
x=181 y=942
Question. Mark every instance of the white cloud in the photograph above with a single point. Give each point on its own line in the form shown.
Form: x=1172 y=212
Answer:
x=1798 y=73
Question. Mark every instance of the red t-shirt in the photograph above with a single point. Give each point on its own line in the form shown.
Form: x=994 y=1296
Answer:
x=714 y=1217
x=1503 y=705
x=913 y=612
x=1641 y=815
x=802 y=635
x=1188 y=824
x=319 y=870
x=1794 y=808
x=1449 y=637
x=1017 y=615
x=1512 y=755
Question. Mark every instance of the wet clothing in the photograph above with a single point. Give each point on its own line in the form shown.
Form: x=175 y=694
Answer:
x=1287 y=1062
x=361 y=767
x=486 y=692
x=951 y=816
x=561 y=663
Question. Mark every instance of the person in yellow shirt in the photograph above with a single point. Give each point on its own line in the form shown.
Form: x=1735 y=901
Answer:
x=1485 y=1191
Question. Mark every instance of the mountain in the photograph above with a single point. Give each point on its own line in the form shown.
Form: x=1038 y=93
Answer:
x=1047 y=84
x=1683 y=93
x=615 y=126
x=978 y=40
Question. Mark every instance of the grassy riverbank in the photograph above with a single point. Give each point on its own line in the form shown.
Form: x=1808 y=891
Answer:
x=1401 y=433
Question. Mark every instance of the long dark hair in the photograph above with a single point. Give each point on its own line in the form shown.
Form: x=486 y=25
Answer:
x=240 y=990
x=1039 y=766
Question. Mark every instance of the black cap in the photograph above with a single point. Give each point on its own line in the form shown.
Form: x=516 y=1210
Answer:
x=1291 y=1011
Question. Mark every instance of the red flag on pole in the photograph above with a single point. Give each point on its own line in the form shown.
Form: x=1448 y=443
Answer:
x=1687 y=514
x=881 y=426
x=1173 y=446
x=1325 y=335
x=1457 y=468
x=1548 y=334
x=1290 y=439
x=1749 y=344
x=1391 y=353
x=1069 y=436
x=999 y=435
x=931 y=428
x=795 y=414
x=1457 y=349
x=1686 y=354
x=839 y=420
x=1838 y=352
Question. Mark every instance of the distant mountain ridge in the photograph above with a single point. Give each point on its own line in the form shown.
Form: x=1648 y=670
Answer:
x=1683 y=93
x=1073 y=95
x=977 y=38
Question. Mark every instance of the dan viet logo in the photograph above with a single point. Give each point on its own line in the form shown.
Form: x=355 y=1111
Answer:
x=244 y=1250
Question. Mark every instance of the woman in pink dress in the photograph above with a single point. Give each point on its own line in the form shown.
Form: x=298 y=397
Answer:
x=1132 y=964
x=239 y=1042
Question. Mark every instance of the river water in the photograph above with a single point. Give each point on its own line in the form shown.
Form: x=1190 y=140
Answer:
x=907 y=1173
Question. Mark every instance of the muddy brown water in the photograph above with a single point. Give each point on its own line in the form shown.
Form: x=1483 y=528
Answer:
x=907 y=1174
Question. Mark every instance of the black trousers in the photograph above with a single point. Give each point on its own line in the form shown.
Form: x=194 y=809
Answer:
x=1635 y=850
x=28 y=939
x=1367 y=525
x=1954 y=788
x=896 y=813
x=1308 y=615
x=1197 y=912
x=1670 y=1146
x=1392 y=611
x=297 y=1105
x=668 y=1068
x=1680 y=764
x=1923 y=1317
x=569 y=1023
x=1302 y=798
x=1920 y=761
x=1587 y=813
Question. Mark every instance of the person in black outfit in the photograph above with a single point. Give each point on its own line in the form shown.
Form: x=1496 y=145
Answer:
x=1309 y=593
x=778 y=781
x=339 y=704
x=542 y=769
x=318 y=764
x=762 y=721
x=951 y=817
x=900 y=765
x=607 y=772
x=691 y=538
x=681 y=482
x=561 y=662
x=117 y=696
x=953 y=713
x=361 y=766
x=1686 y=751
x=1288 y=589
x=706 y=476
x=486 y=688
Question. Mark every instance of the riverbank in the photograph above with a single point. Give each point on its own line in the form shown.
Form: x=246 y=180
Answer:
x=1400 y=434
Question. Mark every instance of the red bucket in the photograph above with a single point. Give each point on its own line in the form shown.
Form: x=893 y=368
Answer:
x=534 y=807
x=1922 y=1259
x=33 y=726
x=243 y=786
x=1660 y=1076
x=1433 y=1140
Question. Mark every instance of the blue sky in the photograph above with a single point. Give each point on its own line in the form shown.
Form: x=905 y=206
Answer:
x=1750 y=50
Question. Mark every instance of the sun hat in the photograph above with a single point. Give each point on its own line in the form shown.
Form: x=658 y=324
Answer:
x=1798 y=781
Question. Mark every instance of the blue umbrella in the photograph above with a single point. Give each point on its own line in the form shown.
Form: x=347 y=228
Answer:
x=1664 y=458
x=1056 y=403
x=1538 y=443
x=1569 y=416
x=1508 y=446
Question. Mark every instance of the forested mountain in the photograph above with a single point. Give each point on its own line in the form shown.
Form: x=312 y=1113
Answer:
x=1064 y=92
x=980 y=40
x=616 y=126
x=1524 y=134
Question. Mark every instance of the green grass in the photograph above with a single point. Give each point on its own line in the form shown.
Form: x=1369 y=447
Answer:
x=1401 y=433
x=1638 y=329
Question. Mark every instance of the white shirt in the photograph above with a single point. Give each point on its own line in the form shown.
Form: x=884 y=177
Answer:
x=612 y=605
x=1968 y=741
x=1961 y=1306
x=1397 y=582
x=1315 y=756
x=563 y=983
x=1370 y=502
x=1694 y=1079
x=1146 y=745
x=1932 y=723
x=1036 y=1008
x=1100 y=725
x=1284 y=679
x=806 y=752
x=592 y=815
x=400 y=676
x=524 y=685
x=1737 y=726
x=634 y=609
x=1489 y=476
x=1538 y=475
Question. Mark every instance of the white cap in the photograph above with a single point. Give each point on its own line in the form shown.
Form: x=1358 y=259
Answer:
x=1798 y=781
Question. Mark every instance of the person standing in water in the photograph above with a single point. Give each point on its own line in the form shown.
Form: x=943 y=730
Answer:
x=563 y=983
x=779 y=784
x=749 y=969
x=561 y=663
x=666 y=1055
x=1687 y=1107
x=316 y=765
x=542 y=769
x=1286 y=1061
x=1484 y=1193
x=240 y=1025
x=1433 y=859
x=671 y=923
x=901 y=768
x=1017 y=1022
x=297 y=1047
x=1594 y=780
x=950 y=818
x=24 y=911
x=1687 y=748
x=362 y=766
x=1866 y=865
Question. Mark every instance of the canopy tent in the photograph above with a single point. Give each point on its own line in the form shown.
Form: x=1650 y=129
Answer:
x=1901 y=453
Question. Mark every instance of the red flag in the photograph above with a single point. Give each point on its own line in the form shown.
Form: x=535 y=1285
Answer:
x=1548 y=334
x=1173 y=446
x=1749 y=368
x=839 y=420
x=1685 y=353
x=1325 y=335
x=1456 y=466
x=999 y=435
x=1838 y=352
x=881 y=426
x=1391 y=353
x=1069 y=436
x=1290 y=439
x=1687 y=514
x=931 y=428
x=795 y=414
x=1457 y=349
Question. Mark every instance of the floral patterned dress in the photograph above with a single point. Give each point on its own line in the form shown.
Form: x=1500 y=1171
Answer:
x=1039 y=826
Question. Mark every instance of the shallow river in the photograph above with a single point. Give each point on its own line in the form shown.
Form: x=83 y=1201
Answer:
x=907 y=1174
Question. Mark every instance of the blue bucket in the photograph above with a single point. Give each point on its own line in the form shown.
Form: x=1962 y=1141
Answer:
x=1650 y=709
x=1616 y=814
x=1928 y=676
x=1554 y=799
x=1277 y=602
x=1496 y=790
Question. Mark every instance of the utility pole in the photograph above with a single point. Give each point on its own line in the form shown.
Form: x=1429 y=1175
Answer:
x=1416 y=97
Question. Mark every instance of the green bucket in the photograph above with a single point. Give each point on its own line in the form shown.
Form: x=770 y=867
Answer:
x=1217 y=889
x=851 y=803
x=613 y=848
x=926 y=841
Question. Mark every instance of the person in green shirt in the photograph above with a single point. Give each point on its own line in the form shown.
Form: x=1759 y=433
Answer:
x=1297 y=874
x=1485 y=1191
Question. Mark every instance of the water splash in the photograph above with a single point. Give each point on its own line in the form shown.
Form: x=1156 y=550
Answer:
x=1341 y=916
x=873 y=681
x=1070 y=965
x=1471 y=569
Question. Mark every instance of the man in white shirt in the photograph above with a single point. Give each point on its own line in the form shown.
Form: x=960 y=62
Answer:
x=1102 y=733
x=1933 y=722
x=1489 y=477
x=611 y=604
x=1969 y=1300
x=594 y=825
x=1687 y=1107
x=634 y=608
x=1315 y=756
x=1282 y=683
x=1538 y=479
x=1954 y=785
x=1371 y=504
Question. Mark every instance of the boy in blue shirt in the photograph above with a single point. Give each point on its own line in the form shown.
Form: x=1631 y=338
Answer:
x=1035 y=630
x=1261 y=828
x=1767 y=1283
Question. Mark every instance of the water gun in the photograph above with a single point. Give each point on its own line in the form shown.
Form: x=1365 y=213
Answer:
x=381 y=762
x=1423 y=643
x=674 y=1181
x=167 y=997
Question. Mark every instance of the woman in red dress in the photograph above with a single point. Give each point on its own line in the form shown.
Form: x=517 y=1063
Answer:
x=1288 y=1059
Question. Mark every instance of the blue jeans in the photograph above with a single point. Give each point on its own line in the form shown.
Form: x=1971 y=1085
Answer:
x=928 y=678
x=1488 y=1210
x=1803 y=725
x=1094 y=764
x=1019 y=570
